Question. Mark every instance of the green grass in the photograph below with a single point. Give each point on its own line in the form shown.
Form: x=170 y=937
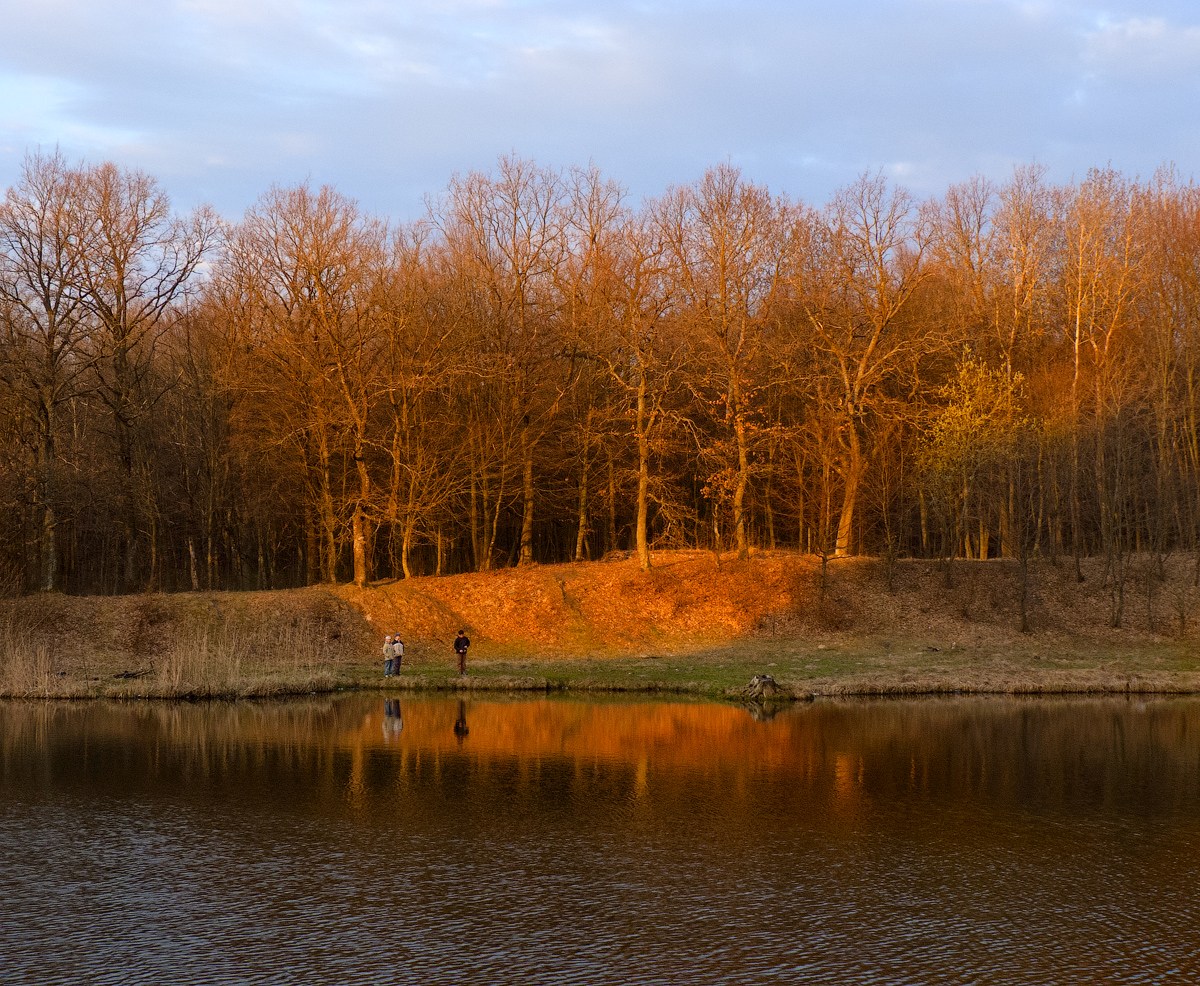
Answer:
x=231 y=660
x=805 y=671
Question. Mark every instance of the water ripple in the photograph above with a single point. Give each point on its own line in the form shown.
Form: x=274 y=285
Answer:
x=453 y=869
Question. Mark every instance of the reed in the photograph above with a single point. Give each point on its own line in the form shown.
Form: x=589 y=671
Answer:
x=27 y=666
x=222 y=657
x=231 y=657
x=33 y=666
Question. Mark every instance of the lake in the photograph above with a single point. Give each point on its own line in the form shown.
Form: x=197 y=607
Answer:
x=404 y=839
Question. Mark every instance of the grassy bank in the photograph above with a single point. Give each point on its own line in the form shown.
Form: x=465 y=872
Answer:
x=854 y=668
x=694 y=624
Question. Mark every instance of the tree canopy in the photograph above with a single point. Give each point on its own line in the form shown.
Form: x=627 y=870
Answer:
x=539 y=370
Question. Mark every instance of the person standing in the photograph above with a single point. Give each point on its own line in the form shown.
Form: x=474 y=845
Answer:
x=461 y=643
x=388 y=658
x=397 y=653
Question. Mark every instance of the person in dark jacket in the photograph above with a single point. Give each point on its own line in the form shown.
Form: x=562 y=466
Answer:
x=461 y=643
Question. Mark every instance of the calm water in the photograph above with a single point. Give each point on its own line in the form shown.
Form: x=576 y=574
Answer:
x=555 y=841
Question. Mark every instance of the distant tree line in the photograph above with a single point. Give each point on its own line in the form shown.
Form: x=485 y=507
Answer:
x=539 y=371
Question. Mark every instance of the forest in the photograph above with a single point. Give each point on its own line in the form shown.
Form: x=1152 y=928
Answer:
x=539 y=370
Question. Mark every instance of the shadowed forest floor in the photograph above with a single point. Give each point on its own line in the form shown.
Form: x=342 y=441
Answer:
x=693 y=623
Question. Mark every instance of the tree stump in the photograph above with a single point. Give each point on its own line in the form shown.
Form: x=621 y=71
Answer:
x=762 y=686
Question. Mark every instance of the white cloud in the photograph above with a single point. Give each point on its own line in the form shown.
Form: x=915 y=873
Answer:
x=221 y=98
x=1141 y=47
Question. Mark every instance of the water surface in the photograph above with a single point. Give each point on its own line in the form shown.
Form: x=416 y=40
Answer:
x=363 y=840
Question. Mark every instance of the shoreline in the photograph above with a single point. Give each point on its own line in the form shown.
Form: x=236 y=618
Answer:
x=728 y=677
x=694 y=625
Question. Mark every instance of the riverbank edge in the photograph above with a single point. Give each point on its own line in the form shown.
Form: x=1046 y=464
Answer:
x=694 y=625
x=635 y=677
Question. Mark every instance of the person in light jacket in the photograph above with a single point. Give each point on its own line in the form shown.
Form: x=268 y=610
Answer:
x=388 y=657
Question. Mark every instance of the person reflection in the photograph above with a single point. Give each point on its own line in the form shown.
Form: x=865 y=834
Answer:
x=393 y=719
x=460 y=724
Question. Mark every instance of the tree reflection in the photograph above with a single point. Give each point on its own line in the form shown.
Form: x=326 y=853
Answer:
x=825 y=756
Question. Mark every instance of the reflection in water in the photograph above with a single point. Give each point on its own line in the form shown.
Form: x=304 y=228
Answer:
x=393 y=719
x=338 y=840
x=460 y=724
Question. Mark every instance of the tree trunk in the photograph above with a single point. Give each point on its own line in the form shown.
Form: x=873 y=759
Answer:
x=739 y=490
x=526 y=556
x=853 y=474
x=406 y=546
x=191 y=545
x=643 y=488
x=581 y=531
x=359 y=534
x=473 y=519
x=361 y=522
x=612 y=506
x=924 y=513
x=49 y=580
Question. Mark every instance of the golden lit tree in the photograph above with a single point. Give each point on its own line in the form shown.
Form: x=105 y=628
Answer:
x=504 y=235
x=863 y=264
x=300 y=281
x=727 y=243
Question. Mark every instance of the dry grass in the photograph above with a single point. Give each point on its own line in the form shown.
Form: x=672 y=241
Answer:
x=185 y=646
x=686 y=602
x=228 y=657
x=689 y=624
x=27 y=667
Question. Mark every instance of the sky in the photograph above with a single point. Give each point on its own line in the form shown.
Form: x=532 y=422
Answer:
x=387 y=100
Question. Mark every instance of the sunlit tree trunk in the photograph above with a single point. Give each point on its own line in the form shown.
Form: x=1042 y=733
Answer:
x=504 y=235
x=527 y=491
x=863 y=265
x=729 y=253
x=644 y=422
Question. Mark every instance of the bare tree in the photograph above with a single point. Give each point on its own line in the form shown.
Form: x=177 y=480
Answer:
x=43 y=320
x=425 y=361
x=1102 y=257
x=504 y=232
x=864 y=265
x=140 y=263
x=593 y=218
x=625 y=292
x=728 y=247
x=301 y=277
x=1172 y=340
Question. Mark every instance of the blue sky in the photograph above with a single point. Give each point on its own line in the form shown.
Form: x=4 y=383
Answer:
x=387 y=99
